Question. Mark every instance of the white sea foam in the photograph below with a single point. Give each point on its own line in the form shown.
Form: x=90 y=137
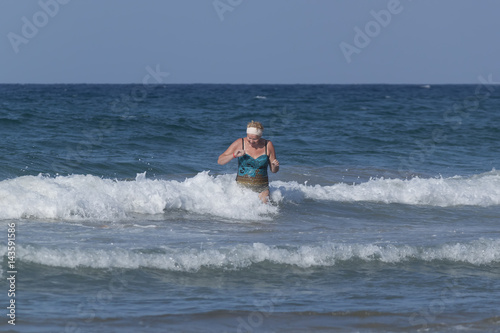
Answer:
x=478 y=252
x=91 y=197
x=478 y=190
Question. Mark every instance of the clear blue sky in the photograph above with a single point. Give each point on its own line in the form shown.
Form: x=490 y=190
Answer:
x=249 y=41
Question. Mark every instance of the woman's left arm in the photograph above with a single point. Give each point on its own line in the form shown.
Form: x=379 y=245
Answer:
x=274 y=164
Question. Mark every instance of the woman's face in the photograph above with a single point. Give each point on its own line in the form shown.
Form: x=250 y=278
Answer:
x=253 y=139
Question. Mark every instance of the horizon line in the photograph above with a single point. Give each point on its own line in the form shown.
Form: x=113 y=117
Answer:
x=212 y=83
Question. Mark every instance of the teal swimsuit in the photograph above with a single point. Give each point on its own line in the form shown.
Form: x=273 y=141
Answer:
x=252 y=172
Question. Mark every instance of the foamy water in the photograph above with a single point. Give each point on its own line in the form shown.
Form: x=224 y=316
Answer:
x=478 y=190
x=91 y=197
x=477 y=252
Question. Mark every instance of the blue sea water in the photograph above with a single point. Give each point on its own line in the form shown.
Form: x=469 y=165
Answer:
x=384 y=214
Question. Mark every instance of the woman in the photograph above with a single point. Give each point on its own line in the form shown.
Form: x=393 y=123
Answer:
x=254 y=154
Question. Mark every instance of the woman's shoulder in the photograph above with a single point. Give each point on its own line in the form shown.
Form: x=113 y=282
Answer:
x=270 y=147
x=237 y=141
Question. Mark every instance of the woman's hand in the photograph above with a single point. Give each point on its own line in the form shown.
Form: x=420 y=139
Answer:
x=233 y=151
x=275 y=166
x=239 y=153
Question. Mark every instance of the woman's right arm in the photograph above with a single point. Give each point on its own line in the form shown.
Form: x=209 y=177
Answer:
x=230 y=152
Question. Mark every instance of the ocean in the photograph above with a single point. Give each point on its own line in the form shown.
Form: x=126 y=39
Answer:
x=116 y=217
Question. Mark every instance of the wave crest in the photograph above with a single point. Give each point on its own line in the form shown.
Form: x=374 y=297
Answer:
x=478 y=190
x=90 y=197
x=478 y=252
